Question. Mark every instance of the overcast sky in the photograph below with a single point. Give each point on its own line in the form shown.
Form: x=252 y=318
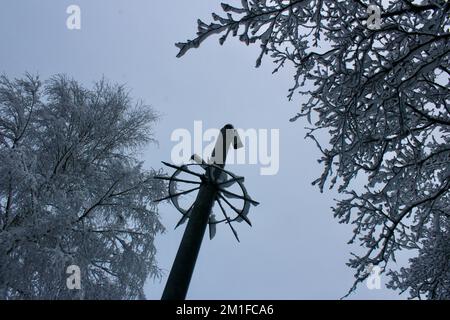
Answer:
x=295 y=249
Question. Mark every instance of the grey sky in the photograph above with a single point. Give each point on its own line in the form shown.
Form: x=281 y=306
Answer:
x=296 y=249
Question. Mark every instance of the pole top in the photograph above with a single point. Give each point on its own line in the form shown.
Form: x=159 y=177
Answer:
x=232 y=136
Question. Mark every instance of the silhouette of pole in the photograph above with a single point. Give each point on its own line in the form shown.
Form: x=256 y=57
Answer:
x=181 y=273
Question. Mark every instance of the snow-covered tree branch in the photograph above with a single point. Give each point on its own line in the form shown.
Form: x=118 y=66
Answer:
x=382 y=95
x=72 y=191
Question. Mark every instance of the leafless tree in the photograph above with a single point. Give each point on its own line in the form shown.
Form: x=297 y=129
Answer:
x=382 y=97
x=72 y=191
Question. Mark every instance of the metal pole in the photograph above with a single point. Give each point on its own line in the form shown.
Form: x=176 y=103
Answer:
x=181 y=273
x=183 y=266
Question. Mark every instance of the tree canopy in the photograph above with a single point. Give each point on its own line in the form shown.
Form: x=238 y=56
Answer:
x=381 y=95
x=72 y=191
